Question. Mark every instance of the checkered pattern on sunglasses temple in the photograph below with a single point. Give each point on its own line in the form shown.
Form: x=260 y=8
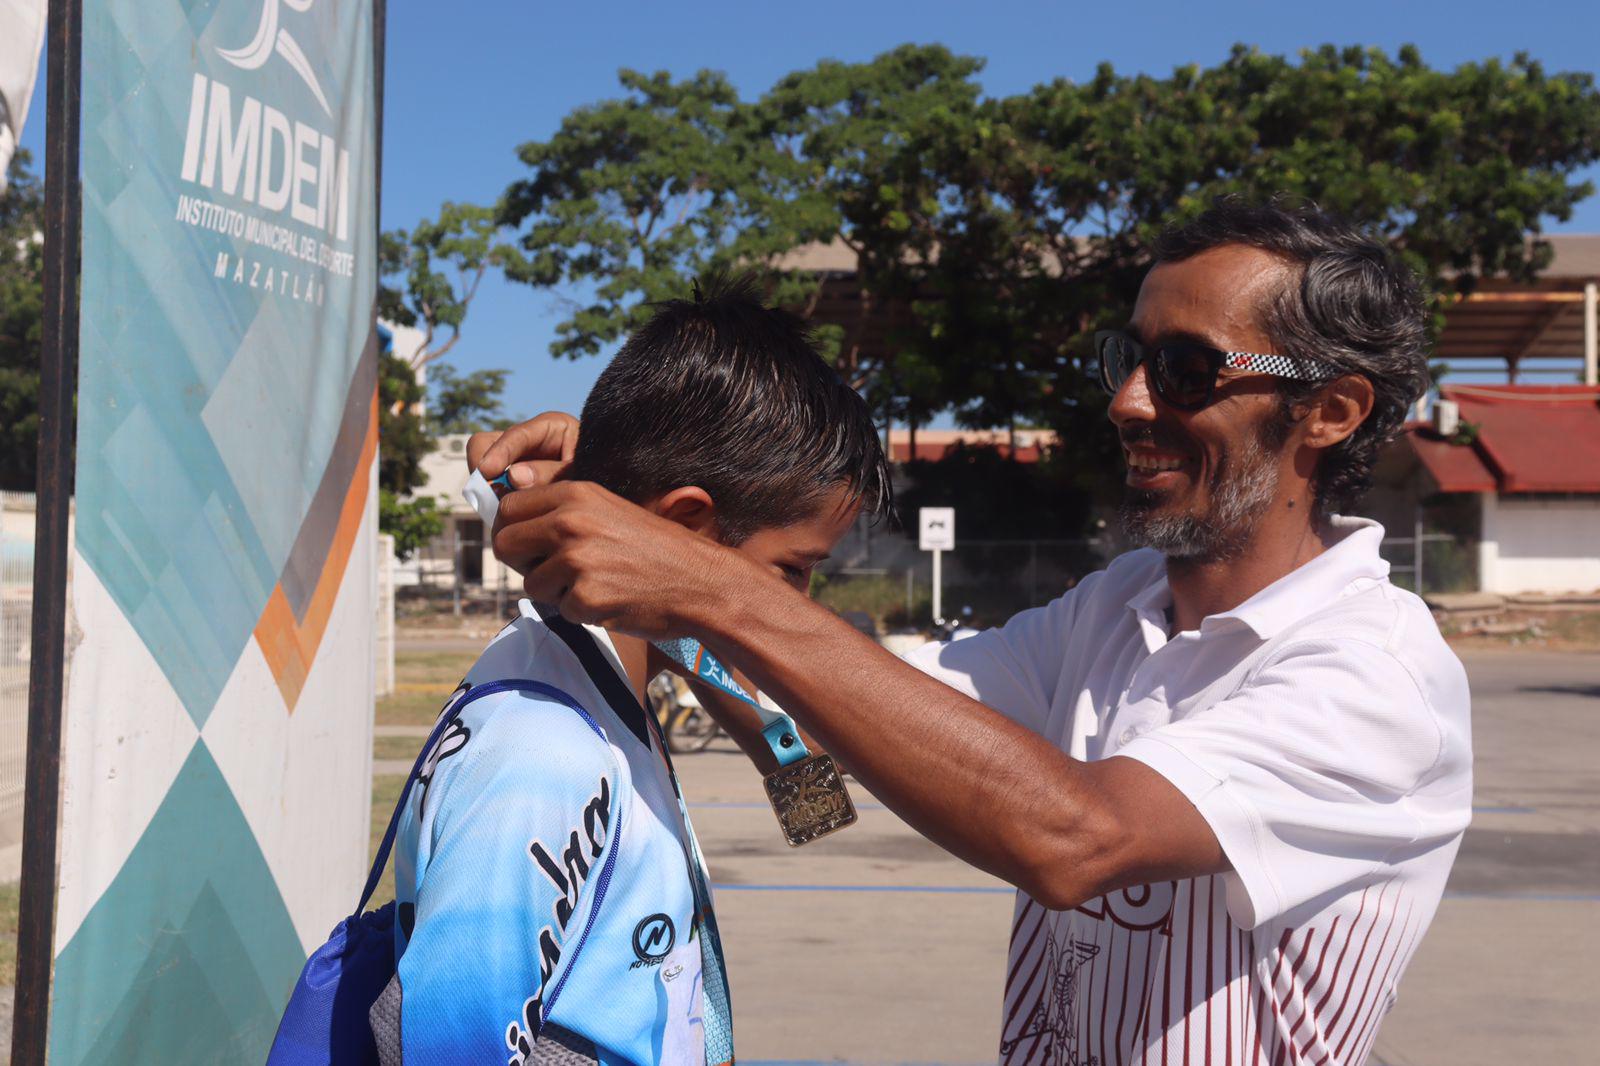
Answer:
x=1283 y=366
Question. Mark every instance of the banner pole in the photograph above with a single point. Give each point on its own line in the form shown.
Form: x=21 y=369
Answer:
x=58 y=381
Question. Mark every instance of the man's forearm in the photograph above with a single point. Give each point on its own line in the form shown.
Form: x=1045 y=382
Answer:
x=986 y=789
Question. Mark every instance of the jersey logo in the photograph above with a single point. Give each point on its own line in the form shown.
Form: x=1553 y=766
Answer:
x=566 y=867
x=1140 y=908
x=1051 y=1025
x=653 y=939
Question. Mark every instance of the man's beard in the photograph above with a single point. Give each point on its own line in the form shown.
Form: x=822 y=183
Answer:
x=1241 y=489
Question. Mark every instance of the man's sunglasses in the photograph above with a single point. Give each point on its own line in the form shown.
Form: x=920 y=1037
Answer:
x=1184 y=374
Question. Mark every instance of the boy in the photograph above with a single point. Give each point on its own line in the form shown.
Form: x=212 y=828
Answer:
x=552 y=902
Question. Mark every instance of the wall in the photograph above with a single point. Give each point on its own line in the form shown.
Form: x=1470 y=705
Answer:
x=1540 y=543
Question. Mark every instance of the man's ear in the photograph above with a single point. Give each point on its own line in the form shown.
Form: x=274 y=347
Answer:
x=691 y=507
x=1338 y=411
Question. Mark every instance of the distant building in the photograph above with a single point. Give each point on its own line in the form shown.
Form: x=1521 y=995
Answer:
x=1024 y=445
x=463 y=547
x=1516 y=470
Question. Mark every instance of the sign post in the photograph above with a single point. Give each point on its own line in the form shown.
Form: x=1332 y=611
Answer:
x=937 y=534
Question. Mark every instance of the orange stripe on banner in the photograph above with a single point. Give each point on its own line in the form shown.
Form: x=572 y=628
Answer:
x=290 y=647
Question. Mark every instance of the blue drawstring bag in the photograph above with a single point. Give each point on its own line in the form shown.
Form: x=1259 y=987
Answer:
x=325 y=1023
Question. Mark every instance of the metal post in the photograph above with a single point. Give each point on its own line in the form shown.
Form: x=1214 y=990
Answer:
x=1591 y=334
x=1416 y=552
x=938 y=589
x=500 y=592
x=455 y=566
x=58 y=380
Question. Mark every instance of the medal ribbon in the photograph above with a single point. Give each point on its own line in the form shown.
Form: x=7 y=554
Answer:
x=777 y=728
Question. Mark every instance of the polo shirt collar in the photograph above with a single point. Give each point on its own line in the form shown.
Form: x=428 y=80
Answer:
x=1353 y=557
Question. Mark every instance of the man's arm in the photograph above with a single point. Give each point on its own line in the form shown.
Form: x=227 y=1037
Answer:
x=988 y=790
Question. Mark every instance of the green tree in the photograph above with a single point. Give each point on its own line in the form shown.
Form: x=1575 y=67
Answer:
x=21 y=323
x=429 y=277
x=403 y=442
x=991 y=236
x=634 y=196
x=465 y=403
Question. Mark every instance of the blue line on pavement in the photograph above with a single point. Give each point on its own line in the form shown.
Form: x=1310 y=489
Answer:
x=1504 y=810
x=1527 y=897
x=993 y=890
x=950 y=889
x=768 y=806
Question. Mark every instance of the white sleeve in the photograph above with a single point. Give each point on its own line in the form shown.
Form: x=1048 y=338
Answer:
x=1326 y=764
x=1013 y=669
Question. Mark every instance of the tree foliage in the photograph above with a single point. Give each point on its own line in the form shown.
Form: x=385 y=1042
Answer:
x=429 y=277
x=993 y=235
x=465 y=403
x=403 y=442
x=21 y=323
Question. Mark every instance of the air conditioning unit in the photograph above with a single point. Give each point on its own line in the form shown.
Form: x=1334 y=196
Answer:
x=1446 y=418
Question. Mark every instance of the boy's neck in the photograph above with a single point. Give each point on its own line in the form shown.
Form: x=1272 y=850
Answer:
x=634 y=654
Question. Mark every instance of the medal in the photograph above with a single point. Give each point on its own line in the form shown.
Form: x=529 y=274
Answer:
x=809 y=799
x=806 y=791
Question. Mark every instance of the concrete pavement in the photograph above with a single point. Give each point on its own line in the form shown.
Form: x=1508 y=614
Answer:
x=873 y=946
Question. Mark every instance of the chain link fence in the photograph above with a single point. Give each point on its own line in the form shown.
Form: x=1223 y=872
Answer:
x=888 y=578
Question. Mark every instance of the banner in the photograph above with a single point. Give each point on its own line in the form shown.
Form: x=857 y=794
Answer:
x=217 y=735
x=22 y=25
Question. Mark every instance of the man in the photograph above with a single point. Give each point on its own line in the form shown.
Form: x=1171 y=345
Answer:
x=1228 y=774
x=552 y=903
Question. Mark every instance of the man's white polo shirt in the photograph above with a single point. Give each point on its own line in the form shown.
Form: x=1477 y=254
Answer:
x=1321 y=728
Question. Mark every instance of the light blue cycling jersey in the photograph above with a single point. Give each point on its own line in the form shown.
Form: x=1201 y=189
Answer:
x=543 y=864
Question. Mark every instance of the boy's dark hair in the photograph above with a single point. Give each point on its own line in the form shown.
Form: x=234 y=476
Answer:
x=1356 y=307
x=729 y=395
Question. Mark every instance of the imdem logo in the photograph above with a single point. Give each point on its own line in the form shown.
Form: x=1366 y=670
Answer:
x=270 y=38
x=256 y=152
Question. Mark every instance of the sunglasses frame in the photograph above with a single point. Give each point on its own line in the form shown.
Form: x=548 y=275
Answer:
x=1283 y=366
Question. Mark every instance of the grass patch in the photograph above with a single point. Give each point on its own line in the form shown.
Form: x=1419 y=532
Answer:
x=1580 y=629
x=422 y=682
x=10 y=897
x=397 y=747
x=385 y=794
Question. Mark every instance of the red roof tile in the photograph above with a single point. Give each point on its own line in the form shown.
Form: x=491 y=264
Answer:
x=1531 y=438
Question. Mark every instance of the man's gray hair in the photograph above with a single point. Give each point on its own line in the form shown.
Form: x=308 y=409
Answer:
x=1357 y=307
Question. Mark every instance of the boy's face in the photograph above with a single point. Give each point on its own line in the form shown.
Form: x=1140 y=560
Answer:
x=795 y=550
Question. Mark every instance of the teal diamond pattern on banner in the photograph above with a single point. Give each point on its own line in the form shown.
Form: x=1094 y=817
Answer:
x=190 y=949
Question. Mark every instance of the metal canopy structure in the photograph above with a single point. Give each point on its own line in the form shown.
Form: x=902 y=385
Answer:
x=1546 y=328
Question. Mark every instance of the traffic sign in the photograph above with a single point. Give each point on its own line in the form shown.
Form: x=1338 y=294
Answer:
x=937 y=528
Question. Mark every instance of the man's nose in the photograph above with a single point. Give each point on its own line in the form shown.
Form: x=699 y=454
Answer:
x=1133 y=401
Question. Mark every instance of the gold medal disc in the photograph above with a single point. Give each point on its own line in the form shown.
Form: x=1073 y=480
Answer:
x=809 y=799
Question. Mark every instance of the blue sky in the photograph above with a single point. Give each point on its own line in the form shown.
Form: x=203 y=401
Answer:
x=468 y=82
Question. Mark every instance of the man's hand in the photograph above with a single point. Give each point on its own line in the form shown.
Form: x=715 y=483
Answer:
x=536 y=451
x=604 y=561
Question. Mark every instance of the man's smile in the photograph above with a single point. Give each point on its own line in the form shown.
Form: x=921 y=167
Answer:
x=1150 y=468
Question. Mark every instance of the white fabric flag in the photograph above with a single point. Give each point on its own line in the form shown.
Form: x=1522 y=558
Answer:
x=21 y=40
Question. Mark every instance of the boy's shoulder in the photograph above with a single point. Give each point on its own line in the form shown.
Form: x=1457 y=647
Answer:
x=523 y=713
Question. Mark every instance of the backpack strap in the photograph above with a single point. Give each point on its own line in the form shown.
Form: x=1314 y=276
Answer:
x=491 y=688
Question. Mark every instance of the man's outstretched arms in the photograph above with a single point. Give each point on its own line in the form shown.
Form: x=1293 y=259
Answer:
x=992 y=792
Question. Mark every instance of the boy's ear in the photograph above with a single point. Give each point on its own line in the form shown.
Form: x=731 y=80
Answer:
x=691 y=507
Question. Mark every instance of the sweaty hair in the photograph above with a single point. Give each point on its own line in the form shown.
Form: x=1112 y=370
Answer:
x=726 y=394
x=1355 y=306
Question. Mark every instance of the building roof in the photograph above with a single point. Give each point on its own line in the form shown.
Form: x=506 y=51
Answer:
x=934 y=444
x=1530 y=438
